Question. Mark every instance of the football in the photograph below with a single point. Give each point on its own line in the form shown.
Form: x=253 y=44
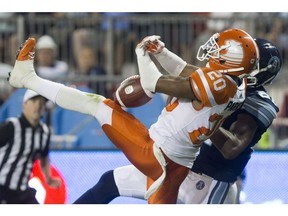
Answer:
x=131 y=94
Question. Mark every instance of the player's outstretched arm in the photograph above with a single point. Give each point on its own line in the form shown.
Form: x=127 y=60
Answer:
x=172 y=63
x=175 y=86
x=152 y=80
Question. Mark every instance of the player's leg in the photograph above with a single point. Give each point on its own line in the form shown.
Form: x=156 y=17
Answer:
x=102 y=193
x=231 y=197
x=24 y=75
x=194 y=189
x=218 y=192
x=130 y=182
x=131 y=136
x=123 y=129
x=202 y=189
x=167 y=193
x=125 y=181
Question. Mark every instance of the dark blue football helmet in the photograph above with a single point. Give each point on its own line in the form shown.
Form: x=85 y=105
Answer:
x=269 y=64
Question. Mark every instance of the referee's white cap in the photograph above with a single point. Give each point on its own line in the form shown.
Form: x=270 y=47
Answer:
x=29 y=94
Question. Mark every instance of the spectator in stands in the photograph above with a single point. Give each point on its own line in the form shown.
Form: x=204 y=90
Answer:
x=87 y=65
x=87 y=32
x=93 y=32
x=22 y=140
x=5 y=88
x=123 y=38
x=47 y=65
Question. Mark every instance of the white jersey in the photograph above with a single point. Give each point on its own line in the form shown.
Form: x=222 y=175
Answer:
x=182 y=127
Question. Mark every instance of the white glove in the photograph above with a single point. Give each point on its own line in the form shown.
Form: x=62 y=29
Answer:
x=147 y=69
x=151 y=44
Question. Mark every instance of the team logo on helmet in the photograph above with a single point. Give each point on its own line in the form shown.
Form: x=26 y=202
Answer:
x=200 y=185
x=234 y=55
x=275 y=64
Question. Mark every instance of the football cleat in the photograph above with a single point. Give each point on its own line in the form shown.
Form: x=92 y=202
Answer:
x=23 y=68
x=26 y=50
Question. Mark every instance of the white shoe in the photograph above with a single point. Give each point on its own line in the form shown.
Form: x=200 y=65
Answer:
x=23 y=68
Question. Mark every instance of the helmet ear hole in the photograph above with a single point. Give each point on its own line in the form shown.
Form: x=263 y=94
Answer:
x=222 y=62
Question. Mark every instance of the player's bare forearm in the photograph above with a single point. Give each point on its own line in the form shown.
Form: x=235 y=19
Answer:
x=231 y=143
x=175 y=86
x=224 y=141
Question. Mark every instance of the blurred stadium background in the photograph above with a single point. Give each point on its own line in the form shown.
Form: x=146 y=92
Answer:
x=113 y=37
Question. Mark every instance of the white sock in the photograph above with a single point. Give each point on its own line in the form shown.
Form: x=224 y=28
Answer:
x=46 y=88
x=76 y=100
x=64 y=96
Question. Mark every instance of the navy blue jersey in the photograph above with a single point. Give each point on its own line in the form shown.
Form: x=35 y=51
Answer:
x=210 y=161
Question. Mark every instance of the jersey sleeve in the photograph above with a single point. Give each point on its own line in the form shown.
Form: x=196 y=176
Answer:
x=260 y=106
x=211 y=87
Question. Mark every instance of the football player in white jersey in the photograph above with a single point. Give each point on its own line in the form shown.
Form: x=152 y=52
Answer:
x=215 y=170
x=203 y=99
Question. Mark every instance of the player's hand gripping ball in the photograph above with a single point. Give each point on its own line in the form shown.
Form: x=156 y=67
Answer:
x=131 y=94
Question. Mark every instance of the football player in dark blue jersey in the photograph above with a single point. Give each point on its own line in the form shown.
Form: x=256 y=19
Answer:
x=212 y=177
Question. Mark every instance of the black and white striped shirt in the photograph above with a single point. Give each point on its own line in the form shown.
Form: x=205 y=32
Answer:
x=20 y=146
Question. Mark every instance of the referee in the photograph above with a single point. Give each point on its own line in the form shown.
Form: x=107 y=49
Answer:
x=23 y=140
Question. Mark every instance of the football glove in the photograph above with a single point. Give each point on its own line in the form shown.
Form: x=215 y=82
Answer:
x=151 y=44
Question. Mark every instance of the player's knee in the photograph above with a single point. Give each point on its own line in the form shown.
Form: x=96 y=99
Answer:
x=107 y=177
x=107 y=183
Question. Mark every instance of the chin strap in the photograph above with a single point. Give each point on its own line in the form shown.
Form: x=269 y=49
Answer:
x=252 y=79
x=231 y=70
x=255 y=72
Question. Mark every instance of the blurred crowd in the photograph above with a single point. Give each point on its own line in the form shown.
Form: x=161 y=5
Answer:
x=96 y=50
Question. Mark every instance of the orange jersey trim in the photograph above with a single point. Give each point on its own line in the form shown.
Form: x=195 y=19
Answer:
x=212 y=87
